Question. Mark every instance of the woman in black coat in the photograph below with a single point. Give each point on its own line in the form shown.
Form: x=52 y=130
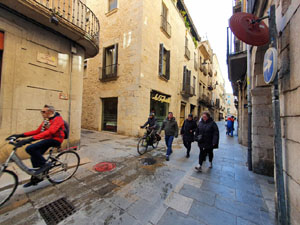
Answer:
x=207 y=136
x=187 y=131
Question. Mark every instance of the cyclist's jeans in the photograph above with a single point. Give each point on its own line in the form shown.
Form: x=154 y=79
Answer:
x=37 y=150
x=169 y=142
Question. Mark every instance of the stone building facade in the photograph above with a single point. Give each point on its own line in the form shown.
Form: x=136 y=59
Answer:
x=230 y=108
x=41 y=62
x=150 y=61
x=288 y=29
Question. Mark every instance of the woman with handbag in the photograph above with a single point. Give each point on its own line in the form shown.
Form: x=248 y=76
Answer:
x=207 y=136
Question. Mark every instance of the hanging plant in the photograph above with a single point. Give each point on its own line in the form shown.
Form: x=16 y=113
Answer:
x=195 y=42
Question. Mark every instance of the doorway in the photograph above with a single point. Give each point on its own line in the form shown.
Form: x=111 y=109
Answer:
x=182 y=113
x=110 y=114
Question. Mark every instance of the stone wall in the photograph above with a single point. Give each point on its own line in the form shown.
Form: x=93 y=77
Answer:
x=28 y=81
x=289 y=67
x=136 y=27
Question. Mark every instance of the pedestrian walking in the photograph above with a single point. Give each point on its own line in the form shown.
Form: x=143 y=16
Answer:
x=207 y=136
x=170 y=127
x=187 y=131
x=230 y=126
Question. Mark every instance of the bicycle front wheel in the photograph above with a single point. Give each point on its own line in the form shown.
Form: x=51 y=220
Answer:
x=8 y=185
x=65 y=165
x=142 y=146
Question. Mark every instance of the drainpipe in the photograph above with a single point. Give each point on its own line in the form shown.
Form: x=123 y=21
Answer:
x=73 y=51
x=280 y=186
x=249 y=99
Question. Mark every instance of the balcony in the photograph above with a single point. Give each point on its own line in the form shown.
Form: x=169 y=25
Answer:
x=187 y=53
x=165 y=26
x=236 y=60
x=203 y=99
x=72 y=19
x=187 y=90
x=108 y=73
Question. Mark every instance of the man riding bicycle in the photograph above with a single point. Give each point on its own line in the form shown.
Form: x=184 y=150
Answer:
x=50 y=132
x=153 y=125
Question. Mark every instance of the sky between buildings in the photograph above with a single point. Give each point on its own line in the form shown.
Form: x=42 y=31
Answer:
x=211 y=20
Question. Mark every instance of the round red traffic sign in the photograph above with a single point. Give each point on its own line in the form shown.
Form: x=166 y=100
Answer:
x=246 y=27
x=104 y=166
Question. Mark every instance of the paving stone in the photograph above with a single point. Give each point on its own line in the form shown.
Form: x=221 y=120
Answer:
x=179 y=202
x=173 y=217
x=211 y=215
x=219 y=189
x=241 y=221
x=238 y=209
x=141 y=210
x=120 y=201
x=197 y=194
x=251 y=200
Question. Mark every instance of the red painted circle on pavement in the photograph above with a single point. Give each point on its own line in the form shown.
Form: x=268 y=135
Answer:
x=104 y=166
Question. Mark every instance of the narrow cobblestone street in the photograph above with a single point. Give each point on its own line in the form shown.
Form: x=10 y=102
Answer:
x=166 y=193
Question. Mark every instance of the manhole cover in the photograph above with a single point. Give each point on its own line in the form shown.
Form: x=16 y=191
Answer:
x=104 y=166
x=56 y=211
x=148 y=161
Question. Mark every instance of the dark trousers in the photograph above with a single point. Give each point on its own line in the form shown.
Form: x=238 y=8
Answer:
x=187 y=144
x=203 y=153
x=37 y=150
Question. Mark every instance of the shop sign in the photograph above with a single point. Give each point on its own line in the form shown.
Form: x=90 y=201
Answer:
x=161 y=98
x=47 y=59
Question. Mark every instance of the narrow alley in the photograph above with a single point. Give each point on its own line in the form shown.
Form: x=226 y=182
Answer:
x=165 y=193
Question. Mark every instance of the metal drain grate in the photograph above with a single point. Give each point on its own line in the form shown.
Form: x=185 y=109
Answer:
x=148 y=161
x=56 y=211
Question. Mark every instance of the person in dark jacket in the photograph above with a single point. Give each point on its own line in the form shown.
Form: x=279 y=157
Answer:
x=207 y=135
x=153 y=125
x=50 y=134
x=187 y=131
x=171 y=130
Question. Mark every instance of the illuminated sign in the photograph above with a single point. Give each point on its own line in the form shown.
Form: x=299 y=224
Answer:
x=161 y=98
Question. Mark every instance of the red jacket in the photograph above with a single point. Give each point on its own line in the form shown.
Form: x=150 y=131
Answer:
x=55 y=130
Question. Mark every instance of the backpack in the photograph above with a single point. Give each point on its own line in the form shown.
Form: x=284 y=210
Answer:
x=66 y=130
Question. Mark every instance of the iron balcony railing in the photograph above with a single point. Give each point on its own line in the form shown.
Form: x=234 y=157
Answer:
x=165 y=25
x=75 y=12
x=234 y=45
x=108 y=73
x=187 y=53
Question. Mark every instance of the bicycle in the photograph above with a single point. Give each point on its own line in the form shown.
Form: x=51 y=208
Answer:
x=63 y=166
x=146 y=141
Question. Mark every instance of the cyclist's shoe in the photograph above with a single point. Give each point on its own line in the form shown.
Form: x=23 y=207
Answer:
x=44 y=168
x=33 y=181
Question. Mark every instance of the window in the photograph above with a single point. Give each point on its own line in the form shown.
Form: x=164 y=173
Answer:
x=186 y=80
x=195 y=61
x=194 y=85
x=112 y=4
x=187 y=51
x=1 y=53
x=110 y=62
x=164 y=62
x=165 y=25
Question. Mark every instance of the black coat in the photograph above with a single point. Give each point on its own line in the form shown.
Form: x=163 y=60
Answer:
x=210 y=134
x=152 y=122
x=188 y=126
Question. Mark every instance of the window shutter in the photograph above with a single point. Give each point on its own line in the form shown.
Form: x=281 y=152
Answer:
x=115 y=59
x=184 y=77
x=188 y=78
x=161 y=56
x=104 y=63
x=168 y=65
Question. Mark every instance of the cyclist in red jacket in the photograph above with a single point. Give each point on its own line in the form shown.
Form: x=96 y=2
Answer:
x=50 y=132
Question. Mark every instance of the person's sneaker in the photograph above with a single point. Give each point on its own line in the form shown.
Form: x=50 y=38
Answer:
x=210 y=165
x=33 y=181
x=167 y=158
x=198 y=168
x=44 y=168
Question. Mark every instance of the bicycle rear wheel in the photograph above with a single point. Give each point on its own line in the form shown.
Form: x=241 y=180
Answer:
x=8 y=185
x=65 y=165
x=142 y=146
